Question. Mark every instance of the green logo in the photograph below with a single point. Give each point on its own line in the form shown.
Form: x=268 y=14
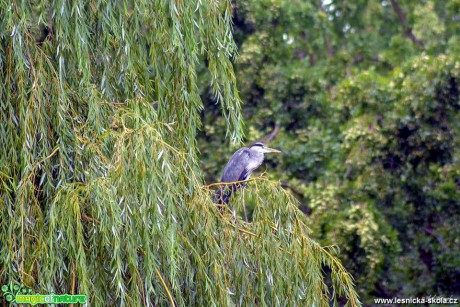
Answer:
x=23 y=295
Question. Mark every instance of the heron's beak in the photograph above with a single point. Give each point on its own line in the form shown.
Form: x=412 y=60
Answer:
x=273 y=150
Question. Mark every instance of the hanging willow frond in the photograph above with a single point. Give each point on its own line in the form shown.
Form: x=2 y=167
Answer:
x=100 y=193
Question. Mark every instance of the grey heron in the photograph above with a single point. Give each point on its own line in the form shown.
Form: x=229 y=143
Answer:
x=240 y=166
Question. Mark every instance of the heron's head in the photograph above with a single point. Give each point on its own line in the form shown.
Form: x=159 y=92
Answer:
x=259 y=147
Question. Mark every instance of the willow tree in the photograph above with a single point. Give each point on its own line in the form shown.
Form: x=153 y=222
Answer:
x=100 y=189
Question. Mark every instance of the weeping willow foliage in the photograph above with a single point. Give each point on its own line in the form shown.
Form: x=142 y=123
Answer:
x=100 y=193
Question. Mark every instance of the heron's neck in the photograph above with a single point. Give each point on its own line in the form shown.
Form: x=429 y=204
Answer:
x=256 y=160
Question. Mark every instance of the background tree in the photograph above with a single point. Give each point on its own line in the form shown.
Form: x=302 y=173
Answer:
x=363 y=99
x=100 y=186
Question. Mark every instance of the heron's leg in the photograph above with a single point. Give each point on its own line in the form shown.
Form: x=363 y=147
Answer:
x=244 y=209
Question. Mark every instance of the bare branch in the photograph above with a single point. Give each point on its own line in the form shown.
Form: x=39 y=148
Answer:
x=272 y=135
x=402 y=19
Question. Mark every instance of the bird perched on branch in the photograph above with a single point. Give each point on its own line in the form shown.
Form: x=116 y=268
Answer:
x=240 y=166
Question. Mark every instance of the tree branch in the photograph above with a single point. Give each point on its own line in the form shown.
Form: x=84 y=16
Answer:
x=330 y=49
x=269 y=137
x=402 y=19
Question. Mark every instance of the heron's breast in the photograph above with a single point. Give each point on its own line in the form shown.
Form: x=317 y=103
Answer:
x=253 y=164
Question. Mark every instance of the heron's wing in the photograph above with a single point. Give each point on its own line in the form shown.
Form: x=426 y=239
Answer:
x=236 y=168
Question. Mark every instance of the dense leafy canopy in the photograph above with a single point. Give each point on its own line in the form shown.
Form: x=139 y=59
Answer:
x=100 y=187
x=363 y=99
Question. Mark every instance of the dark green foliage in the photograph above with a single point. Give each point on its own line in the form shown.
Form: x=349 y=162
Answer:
x=364 y=99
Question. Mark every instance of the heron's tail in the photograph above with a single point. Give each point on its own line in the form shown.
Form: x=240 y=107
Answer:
x=223 y=195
